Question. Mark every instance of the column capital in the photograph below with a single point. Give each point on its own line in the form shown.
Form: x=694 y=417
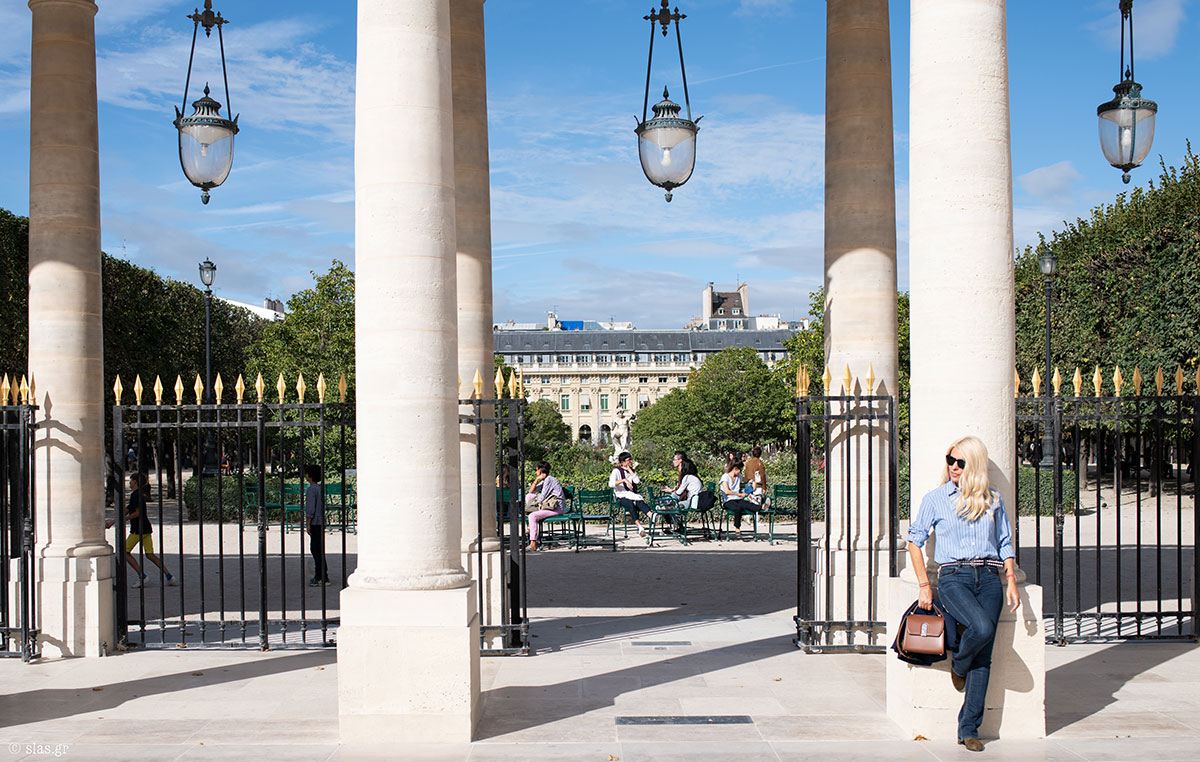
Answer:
x=35 y=5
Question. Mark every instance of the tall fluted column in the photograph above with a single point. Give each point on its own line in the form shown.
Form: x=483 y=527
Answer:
x=860 y=289
x=473 y=224
x=65 y=331
x=963 y=326
x=408 y=647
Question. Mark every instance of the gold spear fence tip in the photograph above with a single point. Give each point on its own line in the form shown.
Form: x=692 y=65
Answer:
x=1077 y=382
x=321 y=388
x=1158 y=381
x=827 y=379
x=1137 y=380
x=260 y=386
x=240 y=388
x=342 y=388
x=1057 y=381
x=803 y=381
x=1179 y=381
x=198 y=388
x=1197 y=379
x=499 y=382
x=521 y=383
x=300 y=389
x=512 y=384
x=33 y=389
x=1037 y=383
x=477 y=384
x=24 y=391
x=280 y=387
x=219 y=388
x=158 y=390
x=870 y=378
x=137 y=389
x=1098 y=381
x=1118 y=379
x=848 y=381
x=117 y=389
x=1016 y=383
x=178 y=390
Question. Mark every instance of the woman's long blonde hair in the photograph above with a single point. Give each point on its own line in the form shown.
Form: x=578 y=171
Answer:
x=975 y=494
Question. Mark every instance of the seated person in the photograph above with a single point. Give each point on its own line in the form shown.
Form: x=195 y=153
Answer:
x=624 y=482
x=545 y=499
x=732 y=498
x=756 y=473
x=687 y=492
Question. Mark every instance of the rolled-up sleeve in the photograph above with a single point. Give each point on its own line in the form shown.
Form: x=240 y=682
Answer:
x=1004 y=543
x=922 y=524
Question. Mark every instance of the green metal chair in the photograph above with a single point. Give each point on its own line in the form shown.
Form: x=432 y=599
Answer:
x=565 y=526
x=727 y=518
x=341 y=507
x=783 y=503
x=666 y=507
x=596 y=497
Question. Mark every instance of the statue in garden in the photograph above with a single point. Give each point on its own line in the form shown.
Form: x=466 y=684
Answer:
x=620 y=435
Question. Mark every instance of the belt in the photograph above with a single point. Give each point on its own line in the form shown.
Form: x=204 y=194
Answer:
x=993 y=563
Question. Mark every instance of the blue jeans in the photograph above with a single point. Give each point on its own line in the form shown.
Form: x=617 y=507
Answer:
x=974 y=596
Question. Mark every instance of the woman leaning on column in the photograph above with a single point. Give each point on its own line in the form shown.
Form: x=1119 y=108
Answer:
x=974 y=552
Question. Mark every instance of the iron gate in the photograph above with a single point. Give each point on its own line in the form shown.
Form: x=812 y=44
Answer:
x=18 y=623
x=1107 y=521
x=233 y=532
x=504 y=631
x=832 y=614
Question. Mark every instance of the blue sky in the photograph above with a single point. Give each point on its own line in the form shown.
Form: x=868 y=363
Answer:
x=576 y=227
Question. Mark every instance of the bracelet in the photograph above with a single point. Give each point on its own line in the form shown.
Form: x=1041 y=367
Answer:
x=1011 y=576
x=924 y=584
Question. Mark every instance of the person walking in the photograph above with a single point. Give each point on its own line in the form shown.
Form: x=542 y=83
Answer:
x=974 y=550
x=314 y=521
x=141 y=531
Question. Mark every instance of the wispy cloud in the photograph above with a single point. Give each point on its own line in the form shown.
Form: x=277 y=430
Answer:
x=1156 y=28
x=1051 y=184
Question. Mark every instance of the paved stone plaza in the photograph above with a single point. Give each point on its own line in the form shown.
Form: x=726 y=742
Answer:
x=697 y=631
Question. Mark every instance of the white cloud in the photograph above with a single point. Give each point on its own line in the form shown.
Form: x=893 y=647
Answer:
x=1051 y=184
x=1156 y=27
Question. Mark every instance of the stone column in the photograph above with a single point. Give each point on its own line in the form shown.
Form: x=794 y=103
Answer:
x=74 y=563
x=408 y=647
x=473 y=224
x=860 y=292
x=962 y=329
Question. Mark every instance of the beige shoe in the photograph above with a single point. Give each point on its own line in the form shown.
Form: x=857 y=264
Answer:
x=972 y=744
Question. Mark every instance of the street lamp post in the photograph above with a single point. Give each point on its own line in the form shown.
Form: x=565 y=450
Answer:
x=208 y=273
x=1127 y=121
x=1047 y=263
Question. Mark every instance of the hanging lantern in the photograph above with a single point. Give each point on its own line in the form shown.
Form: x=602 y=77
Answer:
x=206 y=137
x=667 y=142
x=1127 y=121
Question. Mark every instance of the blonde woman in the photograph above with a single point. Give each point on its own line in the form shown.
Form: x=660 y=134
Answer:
x=974 y=552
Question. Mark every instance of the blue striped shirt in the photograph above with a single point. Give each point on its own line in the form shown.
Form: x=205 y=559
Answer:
x=957 y=538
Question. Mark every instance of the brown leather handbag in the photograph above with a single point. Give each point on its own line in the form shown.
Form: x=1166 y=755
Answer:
x=924 y=634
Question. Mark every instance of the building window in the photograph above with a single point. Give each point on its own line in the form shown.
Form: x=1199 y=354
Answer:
x=662 y=379
x=737 y=311
x=585 y=379
x=585 y=402
x=721 y=311
x=679 y=358
x=662 y=358
x=624 y=379
x=603 y=379
x=545 y=379
x=566 y=379
x=643 y=379
x=603 y=402
x=739 y=324
x=623 y=402
x=682 y=379
x=643 y=401
x=622 y=358
x=564 y=358
x=605 y=434
x=585 y=433
x=603 y=358
x=583 y=358
x=564 y=403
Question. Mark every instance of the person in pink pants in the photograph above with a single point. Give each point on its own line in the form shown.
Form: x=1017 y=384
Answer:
x=545 y=499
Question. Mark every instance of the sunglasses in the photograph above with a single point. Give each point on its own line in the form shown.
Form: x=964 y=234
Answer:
x=951 y=460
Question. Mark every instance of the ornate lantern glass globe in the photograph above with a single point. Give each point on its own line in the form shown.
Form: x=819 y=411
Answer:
x=208 y=273
x=1047 y=263
x=206 y=144
x=1127 y=127
x=667 y=146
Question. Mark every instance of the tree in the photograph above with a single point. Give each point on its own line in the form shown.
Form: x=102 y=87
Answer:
x=1125 y=287
x=316 y=336
x=545 y=431
x=14 y=292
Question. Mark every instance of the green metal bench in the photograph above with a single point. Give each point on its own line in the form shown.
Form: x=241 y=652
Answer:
x=596 y=497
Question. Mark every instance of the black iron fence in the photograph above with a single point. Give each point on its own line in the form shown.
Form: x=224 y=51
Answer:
x=224 y=555
x=18 y=612
x=847 y=519
x=504 y=628
x=1106 y=489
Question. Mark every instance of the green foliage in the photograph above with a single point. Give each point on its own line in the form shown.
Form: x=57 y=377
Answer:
x=1125 y=287
x=732 y=402
x=545 y=432
x=14 y=292
x=223 y=501
x=1029 y=489
x=317 y=336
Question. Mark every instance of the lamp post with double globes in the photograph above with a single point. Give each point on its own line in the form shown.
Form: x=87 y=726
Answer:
x=1047 y=263
x=208 y=274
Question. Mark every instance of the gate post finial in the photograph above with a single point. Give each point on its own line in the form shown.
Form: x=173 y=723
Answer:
x=198 y=387
x=137 y=389
x=117 y=389
x=342 y=388
x=1016 y=382
x=1137 y=381
x=1179 y=380
x=179 y=390
x=1077 y=381
x=848 y=381
x=827 y=379
x=280 y=387
x=321 y=388
x=1158 y=381
x=1118 y=380
x=158 y=390
x=219 y=388
x=870 y=378
x=239 y=388
x=259 y=386
x=1037 y=383
x=1057 y=381
x=499 y=383
x=1098 y=381
x=300 y=389
x=24 y=391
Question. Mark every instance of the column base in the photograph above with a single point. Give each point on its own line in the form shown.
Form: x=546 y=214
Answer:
x=922 y=700
x=408 y=666
x=495 y=601
x=831 y=586
x=75 y=605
